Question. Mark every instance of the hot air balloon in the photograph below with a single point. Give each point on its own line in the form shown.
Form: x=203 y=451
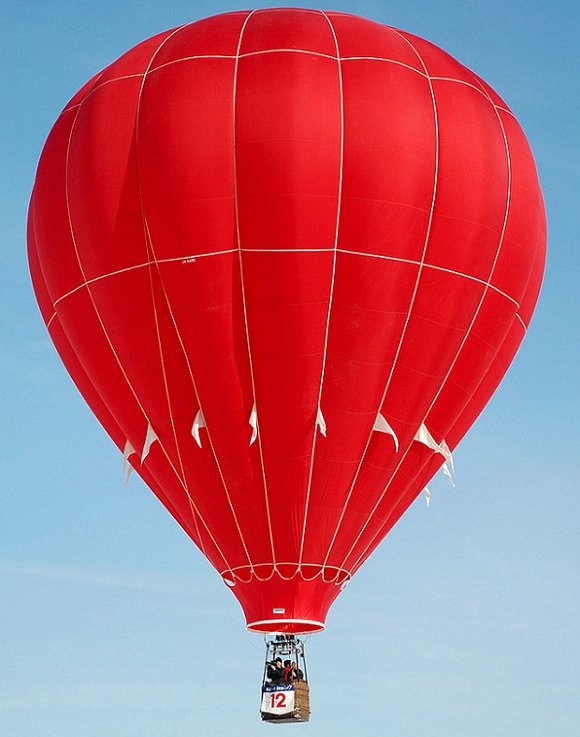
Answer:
x=286 y=256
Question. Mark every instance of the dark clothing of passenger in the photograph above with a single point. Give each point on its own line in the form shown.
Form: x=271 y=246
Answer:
x=276 y=673
x=295 y=674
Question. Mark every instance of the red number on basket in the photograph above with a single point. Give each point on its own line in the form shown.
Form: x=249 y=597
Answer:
x=278 y=700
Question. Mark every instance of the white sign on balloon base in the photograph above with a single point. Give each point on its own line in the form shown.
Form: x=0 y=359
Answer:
x=278 y=700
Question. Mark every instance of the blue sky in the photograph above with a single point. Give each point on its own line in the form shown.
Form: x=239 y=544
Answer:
x=464 y=622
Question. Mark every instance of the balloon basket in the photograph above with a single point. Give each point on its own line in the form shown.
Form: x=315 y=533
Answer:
x=299 y=693
x=285 y=691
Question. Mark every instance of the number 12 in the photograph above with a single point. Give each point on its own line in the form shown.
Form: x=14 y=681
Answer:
x=278 y=700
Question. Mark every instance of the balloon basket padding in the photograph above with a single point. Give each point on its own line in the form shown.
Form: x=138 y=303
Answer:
x=301 y=712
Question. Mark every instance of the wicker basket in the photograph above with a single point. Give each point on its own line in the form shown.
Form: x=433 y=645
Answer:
x=302 y=701
x=301 y=711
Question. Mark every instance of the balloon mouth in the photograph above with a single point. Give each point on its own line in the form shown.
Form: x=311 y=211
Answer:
x=279 y=605
x=291 y=626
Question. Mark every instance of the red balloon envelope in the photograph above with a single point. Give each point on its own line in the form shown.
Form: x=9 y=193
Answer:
x=286 y=256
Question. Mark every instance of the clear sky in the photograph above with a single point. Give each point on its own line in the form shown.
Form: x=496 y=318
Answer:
x=464 y=622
